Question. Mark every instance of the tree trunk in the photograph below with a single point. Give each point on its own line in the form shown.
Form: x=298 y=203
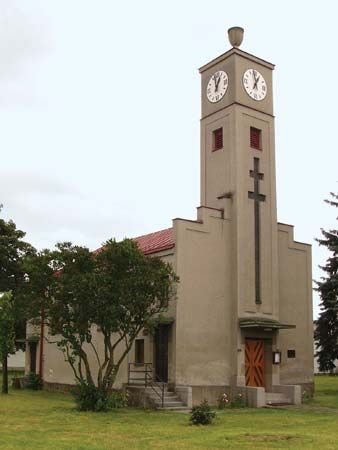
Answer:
x=4 y=374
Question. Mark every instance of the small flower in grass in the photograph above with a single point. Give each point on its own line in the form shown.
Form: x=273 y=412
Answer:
x=225 y=398
x=223 y=401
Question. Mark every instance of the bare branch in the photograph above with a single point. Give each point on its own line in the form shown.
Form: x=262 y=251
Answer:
x=69 y=360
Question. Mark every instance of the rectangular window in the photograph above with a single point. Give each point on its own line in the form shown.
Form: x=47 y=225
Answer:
x=255 y=138
x=139 y=351
x=291 y=353
x=217 y=139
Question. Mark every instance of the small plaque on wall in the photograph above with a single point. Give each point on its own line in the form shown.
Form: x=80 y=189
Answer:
x=276 y=357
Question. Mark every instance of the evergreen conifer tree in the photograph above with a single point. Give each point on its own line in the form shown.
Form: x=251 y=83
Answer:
x=326 y=333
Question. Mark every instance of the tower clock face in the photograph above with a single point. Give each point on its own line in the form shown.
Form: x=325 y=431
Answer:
x=217 y=86
x=254 y=84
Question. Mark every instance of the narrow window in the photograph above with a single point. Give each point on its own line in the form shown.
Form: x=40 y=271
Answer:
x=139 y=351
x=255 y=138
x=217 y=139
x=291 y=353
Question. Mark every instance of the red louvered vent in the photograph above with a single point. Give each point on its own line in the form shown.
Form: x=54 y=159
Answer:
x=255 y=138
x=217 y=139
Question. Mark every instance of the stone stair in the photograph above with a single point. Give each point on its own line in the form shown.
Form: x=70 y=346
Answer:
x=276 y=399
x=171 y=401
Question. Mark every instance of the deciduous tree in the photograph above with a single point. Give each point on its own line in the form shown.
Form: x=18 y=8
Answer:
x=12 y=251
x=114 y=292
x=7 y=334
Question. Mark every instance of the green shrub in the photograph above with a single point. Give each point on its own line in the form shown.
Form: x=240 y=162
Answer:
x=202 y=414
x=238 y=401
x=118 y=399
x=34 y=382
x=88 y=397
x=306 y=397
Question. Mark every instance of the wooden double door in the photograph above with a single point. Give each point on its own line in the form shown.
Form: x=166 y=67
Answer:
x=254 y=362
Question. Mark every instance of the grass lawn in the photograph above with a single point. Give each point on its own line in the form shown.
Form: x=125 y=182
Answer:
x=40 y=420
x=326 y=392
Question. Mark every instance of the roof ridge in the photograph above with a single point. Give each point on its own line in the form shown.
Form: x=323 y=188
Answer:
x=153 y=232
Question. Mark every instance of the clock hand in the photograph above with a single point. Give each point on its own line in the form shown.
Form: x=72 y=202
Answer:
x=254 y=77
x=253 y=74
x=256 y=81
x=215 y=81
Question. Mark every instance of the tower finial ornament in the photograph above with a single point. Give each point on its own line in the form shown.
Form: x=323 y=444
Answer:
x=235 y=36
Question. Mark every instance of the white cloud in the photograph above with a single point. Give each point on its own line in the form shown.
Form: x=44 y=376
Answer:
x=23 y=37
x=24 y=41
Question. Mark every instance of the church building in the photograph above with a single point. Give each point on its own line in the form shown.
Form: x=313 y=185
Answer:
x=241 y=321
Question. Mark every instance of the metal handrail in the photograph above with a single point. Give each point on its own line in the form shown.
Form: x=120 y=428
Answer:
x=153 y=385
x=148 y=369
x=148 y=379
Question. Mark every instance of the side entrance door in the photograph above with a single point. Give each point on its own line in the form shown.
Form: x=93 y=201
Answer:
x=32 y=359
x=254 y=363
x=161 y=352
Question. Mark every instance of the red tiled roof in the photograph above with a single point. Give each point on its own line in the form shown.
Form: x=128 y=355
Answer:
x=156 y=242
x=153 y=242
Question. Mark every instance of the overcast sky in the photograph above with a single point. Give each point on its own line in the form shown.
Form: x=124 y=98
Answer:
x=100 y=108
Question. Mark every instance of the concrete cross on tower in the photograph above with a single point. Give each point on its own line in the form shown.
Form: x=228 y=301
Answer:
x=257 y=197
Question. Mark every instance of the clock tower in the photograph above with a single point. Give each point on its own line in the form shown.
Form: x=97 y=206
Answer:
x=238 y=170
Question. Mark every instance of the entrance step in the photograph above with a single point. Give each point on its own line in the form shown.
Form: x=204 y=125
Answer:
x=276 y=399
x=171 y=401
x=153 y=390
x=175 y=408
x=171 y=404
x=166 y=399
